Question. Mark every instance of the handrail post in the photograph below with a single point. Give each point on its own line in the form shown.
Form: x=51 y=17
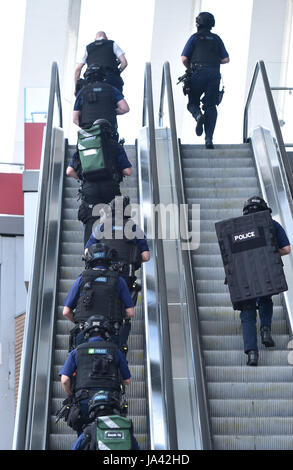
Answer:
x=260 y=67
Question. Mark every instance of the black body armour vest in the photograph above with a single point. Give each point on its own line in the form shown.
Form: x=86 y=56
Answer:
x=99 y=296
x=101 y=53
x=96 y=366
x=126 y=250
x=206 y=50
x=98 y=104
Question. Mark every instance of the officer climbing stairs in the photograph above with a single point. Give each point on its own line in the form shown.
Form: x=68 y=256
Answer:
x=250 y=407
x=61 y=437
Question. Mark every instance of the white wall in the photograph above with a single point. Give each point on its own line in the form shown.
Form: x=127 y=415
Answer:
x=50 y=34
x=129 y=23
x=12 y=302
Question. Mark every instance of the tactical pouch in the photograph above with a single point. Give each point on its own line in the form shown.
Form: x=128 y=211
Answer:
x=92 y=97
x=88 y=300
x=74 y=419
x=84 y=213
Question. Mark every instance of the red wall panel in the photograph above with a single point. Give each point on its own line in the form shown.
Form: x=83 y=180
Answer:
x=33 y=138
x=11 y=195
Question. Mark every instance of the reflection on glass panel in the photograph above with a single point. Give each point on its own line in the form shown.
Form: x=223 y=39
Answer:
x=36 y=104
x=284 y=105
x=281 y=83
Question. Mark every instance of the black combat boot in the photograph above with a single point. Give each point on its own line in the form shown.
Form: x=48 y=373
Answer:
x=209 y=144
x=266 y=337
x=252 y=359
x=199 y=125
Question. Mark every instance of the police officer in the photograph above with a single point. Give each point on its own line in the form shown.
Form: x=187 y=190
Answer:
x=95 y=365
x=131 y=248
x=202 y=55
x=264 y=304
x=109 y=55
x=98 y=100
x=129 y=252
x=99 y=190
x=98 y=291
x=105 y=403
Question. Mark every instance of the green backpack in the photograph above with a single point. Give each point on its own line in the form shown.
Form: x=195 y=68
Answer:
x=110 y=433
x=95 y=158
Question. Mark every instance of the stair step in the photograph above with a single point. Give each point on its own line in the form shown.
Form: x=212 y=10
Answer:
x=252 y=442
x=248 y=376
x=251 y=408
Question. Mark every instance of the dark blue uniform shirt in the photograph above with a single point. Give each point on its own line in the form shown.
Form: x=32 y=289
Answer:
x=190 y=45
x=139 y=239
x=282 y=238
x=122 y=293
x=70 y=365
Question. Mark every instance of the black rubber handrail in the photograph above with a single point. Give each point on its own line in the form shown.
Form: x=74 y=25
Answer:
x=200 y=385
x=260 y=69
x=31 y=332
x=159 y=266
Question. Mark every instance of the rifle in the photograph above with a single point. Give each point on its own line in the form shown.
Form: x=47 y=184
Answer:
x=63 y=412
x=186 y=79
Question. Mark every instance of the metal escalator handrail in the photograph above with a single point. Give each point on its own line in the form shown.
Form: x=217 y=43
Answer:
x=203 y=428
x=261 y=69
x=28 y=364
x=156 y=307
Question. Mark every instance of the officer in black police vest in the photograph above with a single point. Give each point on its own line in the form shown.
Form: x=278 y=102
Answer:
x=103 y=184
x=131 y=249
x=98 y=291
x=97 y=364
x=202 y=56
x=98 y=100
x=106 y=53
x=264 y=304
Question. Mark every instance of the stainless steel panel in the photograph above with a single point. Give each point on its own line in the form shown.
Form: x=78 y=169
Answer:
x=276 y=192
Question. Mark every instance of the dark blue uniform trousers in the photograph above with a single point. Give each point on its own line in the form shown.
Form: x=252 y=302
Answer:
x=248 y=321
x=205 y=81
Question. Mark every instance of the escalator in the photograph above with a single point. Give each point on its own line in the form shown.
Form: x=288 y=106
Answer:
x=250 y=408
x=56 y=263
x=237 y=407
x=70 y=266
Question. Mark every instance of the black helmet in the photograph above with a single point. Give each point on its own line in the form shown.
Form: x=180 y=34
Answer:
x=97 y=324
x=99 y=253
x=104 y=125
x=255 y=204
x=205 y=19
x=104 y=403
x=94 y=72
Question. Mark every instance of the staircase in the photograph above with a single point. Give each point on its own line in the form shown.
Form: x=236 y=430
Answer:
x=250 y=407
x=61 y=437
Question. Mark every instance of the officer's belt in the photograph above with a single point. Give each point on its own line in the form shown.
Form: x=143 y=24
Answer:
x=196 y=66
